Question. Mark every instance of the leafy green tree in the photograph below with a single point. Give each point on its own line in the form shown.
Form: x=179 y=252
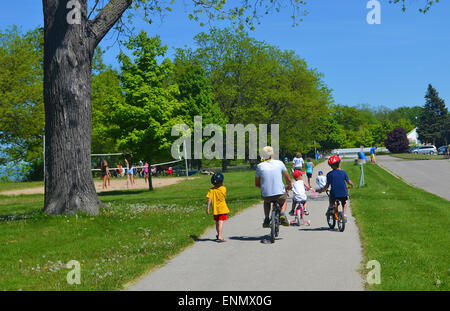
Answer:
x=196 y=91
x=21 y=101
x=144 y=120
x=105 y=89
x=407 y=113
x=335 y=136
x=255 y=83
x=433 y=125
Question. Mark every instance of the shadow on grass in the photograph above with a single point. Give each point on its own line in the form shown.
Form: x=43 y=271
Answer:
x=19 y=216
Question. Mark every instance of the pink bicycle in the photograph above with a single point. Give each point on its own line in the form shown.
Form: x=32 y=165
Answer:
x=299 y=216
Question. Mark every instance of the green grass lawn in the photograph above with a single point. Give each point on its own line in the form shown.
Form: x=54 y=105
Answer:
x=138 y=231
x=404 y=228
x=411 y=156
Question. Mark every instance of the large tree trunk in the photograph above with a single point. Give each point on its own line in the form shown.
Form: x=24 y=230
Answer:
x=68 y=52
x=69 y=186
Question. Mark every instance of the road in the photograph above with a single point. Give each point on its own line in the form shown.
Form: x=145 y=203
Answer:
x=430 y=175
x=302 y=258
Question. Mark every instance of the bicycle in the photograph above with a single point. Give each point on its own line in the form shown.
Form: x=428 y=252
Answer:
x=337 y=215
x=299 y=218
x=275 y=221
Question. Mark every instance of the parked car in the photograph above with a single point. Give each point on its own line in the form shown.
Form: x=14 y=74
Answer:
x=442 y=150
x=430 y=149
x=411 y=150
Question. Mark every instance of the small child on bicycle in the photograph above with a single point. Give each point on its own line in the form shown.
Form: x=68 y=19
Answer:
x=216 y=196
x=337 y=179
x=299 y=188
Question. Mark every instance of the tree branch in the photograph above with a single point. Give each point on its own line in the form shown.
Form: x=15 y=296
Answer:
x=106 y=19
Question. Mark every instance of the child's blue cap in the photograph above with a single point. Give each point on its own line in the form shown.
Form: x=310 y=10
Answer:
x=320 y=172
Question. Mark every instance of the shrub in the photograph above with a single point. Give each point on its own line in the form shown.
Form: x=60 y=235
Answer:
x=397 y=141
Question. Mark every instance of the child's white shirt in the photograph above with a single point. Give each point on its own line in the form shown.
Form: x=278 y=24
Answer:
x=321 y=181
x=298 y=187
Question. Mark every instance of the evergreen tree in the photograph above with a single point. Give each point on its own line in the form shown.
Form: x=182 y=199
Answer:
x=433 y=122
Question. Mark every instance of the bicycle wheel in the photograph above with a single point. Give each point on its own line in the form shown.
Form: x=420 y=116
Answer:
x=273 y=226
x=277 y=223
x=331 y=220
x=341 y=222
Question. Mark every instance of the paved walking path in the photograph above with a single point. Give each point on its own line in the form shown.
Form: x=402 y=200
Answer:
x=430 y=175
x=302 y=258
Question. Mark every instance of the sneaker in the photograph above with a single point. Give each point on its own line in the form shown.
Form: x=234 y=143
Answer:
x=308 y=222
x=291 y=213
x=345 y=218
x=306 y=212
x=329 y=211
x=266 y=223
x=284 y=221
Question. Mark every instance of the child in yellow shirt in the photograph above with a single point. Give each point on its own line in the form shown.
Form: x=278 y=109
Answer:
x=216 y=195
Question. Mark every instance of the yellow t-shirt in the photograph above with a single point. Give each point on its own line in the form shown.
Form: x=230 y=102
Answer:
x=217 y=196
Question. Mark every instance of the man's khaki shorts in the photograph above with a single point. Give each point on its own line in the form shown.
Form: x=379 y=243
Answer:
x=280 y=199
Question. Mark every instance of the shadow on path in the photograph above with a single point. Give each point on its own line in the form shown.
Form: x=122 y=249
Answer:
x=265 y=239
x=317 y=229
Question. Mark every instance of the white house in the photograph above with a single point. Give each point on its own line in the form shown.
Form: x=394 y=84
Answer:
x=413 y=137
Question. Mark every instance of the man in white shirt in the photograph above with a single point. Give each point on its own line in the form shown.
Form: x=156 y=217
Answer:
x=298 y=162
x=269 y=178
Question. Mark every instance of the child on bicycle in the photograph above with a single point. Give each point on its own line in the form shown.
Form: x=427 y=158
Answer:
x=337 y=179
x=216 y=196
x=299 y=188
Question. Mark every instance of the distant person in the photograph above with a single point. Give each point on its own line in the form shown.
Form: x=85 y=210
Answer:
x=119 y=169
x=154 y=171
x=362 y=156
x=104 y=173
x=145 y=172
x=299 y=188
x=372 y=154
x=108 y=176
x=297 y=162
x=321 y=180
x=130 y=176
x=317 y=155
x=309 y=170
x=216 y=197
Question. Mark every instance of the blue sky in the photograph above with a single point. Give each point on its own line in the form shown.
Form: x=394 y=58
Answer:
x=389 y=64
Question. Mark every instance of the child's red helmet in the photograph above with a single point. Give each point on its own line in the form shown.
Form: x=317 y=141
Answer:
x=334 y=159
x=297 y=173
